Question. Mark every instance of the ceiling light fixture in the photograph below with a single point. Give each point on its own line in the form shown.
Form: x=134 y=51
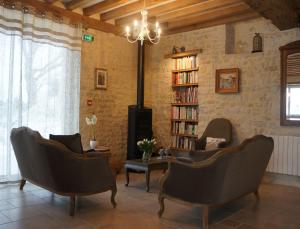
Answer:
x=140 y=30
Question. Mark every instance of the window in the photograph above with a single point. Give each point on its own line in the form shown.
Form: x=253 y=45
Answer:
x=293 y=102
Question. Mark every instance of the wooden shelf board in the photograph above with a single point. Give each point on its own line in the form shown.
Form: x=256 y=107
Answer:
x=185 y=135
x=186 y=85
x=184 y=120
x=184 y=54
x=185 y=70
x=184 y=104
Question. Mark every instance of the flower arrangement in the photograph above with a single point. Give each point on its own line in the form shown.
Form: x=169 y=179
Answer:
x=147 y=147
x=92 y=121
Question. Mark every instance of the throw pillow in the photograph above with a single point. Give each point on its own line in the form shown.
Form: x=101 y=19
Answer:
x=72 y=142
x=213 y=143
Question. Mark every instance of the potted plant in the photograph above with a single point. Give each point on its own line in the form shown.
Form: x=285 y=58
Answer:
x=92 y=121
x=147 y=147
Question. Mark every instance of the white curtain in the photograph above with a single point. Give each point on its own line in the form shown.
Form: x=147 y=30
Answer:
x=39 y=79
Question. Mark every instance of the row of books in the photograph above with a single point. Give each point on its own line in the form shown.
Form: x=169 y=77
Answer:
x=185 y=77
x=182 y=142
x=185 y=113
x=186 y=95
x=184 y=128
x=185 y=63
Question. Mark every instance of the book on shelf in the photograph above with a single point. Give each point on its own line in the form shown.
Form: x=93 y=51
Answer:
x=190 y=113
x=185 y=63
x=183 y=142
x=184 y=128
x=186 y=95
x=185 y=78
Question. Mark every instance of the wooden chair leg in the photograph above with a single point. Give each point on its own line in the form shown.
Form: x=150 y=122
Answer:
x=72 y=205
x=22 y=183
x=205 y=217
x=162 y=205
x=113 y=195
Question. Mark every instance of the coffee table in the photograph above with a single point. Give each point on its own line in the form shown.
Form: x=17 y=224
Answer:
x=145 y=166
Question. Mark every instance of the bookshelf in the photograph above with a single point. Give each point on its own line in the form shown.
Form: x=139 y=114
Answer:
x=184 y=106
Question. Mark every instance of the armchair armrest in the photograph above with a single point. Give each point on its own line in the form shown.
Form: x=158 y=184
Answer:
x=198 y=188
x=75 y=173
x=200 y=155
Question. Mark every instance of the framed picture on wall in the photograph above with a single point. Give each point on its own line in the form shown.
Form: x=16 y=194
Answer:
x=227 y=80
x=100 y=78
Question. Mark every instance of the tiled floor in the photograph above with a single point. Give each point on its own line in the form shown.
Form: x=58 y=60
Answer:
x=37 y=208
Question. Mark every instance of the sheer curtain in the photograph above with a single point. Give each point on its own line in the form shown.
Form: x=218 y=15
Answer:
x=39 y=79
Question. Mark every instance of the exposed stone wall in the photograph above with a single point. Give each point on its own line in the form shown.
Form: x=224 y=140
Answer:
x=119 y=58
x=256 y=109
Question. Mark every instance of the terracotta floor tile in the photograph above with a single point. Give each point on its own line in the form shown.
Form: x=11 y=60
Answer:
x=279 y=207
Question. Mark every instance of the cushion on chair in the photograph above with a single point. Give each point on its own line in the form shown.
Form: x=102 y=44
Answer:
x=213 y=143
x=73 y=142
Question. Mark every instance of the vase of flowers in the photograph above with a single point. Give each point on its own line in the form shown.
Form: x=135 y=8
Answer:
x=147 y=147
x=92 y=121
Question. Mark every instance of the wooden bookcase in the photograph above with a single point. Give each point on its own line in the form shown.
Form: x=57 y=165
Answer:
x=184 y=106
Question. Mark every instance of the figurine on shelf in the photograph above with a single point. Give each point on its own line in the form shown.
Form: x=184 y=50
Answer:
x=182 y=49
x=174 y=50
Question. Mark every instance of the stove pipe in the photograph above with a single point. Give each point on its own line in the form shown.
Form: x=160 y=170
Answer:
x=140 y=76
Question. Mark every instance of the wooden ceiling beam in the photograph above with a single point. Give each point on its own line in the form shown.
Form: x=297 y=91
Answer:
x=74 y=17
x=50 y=1
x=131 y=9
x=283 y=13
x=238 y=8
x=215 y=22
x=74 y=4
x=105 y=5
x=159 y=10
x=196 y=9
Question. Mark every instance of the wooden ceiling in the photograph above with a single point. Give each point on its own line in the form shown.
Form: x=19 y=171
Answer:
x=175 y=16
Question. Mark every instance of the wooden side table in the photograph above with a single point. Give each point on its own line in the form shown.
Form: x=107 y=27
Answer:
x=99 y=151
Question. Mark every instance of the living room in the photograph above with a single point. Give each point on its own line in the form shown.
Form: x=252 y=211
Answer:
x=71 y=67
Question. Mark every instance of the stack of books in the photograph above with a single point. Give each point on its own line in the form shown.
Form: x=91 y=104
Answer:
x=182 y=142
x=190 y=113
x=185 y=78
x=185 y=63
x=186 y=95
x=184 y=128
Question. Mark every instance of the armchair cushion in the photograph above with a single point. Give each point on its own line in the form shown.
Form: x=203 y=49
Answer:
x=72 y=142
x=213 y=143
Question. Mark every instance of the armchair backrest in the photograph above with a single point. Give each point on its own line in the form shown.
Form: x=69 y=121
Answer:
x=33 y=157
x=219 y=128
x=241 y=168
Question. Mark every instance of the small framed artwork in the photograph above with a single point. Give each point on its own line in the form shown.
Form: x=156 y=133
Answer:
x=227 y=80
x=100 y=78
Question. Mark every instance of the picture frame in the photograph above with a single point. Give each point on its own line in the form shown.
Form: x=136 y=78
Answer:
x=100 y=78
x=227 y=81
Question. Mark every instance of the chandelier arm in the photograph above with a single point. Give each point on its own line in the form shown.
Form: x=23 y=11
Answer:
x=132 y=40
x=154 y=39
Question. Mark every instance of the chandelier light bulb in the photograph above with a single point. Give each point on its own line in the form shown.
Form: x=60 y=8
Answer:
x=127 y=30
x=135 y=23
x=157 y=25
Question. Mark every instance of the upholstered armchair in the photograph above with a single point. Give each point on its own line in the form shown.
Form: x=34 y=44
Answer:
x=228 y=174
x=53 y=166
x=217 y=128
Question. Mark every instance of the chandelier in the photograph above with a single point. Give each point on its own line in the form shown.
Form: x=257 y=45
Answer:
x=140 y=30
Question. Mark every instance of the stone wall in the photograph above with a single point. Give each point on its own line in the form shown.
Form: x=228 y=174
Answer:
x=110 y=106
x=256 y=109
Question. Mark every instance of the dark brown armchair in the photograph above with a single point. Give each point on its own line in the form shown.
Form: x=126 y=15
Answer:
x=227 y=175
x=216 y=128
x=53 y=166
